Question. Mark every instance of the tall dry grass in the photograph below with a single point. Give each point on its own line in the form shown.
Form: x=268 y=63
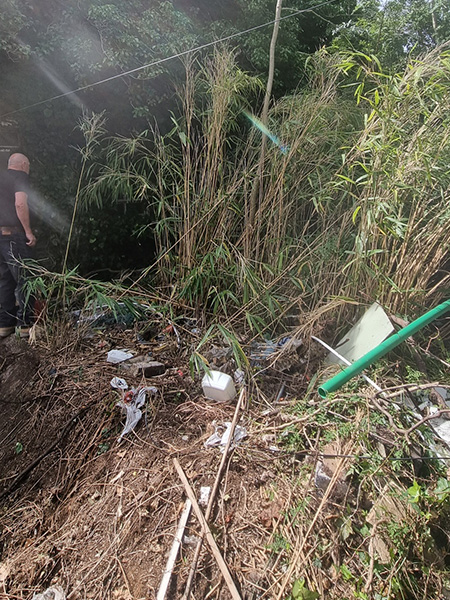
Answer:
x=402 y=160
x=353 y=202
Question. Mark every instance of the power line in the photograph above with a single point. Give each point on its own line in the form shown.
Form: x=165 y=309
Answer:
x=168 y=58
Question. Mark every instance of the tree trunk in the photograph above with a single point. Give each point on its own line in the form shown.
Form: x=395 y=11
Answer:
x=257 y=190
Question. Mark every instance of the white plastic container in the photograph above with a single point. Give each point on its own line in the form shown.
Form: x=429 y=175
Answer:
x=218 y=386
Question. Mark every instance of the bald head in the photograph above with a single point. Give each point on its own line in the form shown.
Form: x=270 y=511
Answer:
x=19 y=162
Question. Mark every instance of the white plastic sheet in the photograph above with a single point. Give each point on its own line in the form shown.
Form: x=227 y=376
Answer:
x=222 y=433
x=52 y=593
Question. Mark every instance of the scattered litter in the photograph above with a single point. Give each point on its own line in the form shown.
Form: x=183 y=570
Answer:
x=222 y=433
x=190 y=540
x=442 y=428
x=131 y=404
x=218 y=386
x=239 y=376
x=119 y=384
x=140 y=365
x=262 y=351
x=168 y=332
x=342 y=359
x=368 y=333
x=118 y=356
x=104 y=316
x=443 y=392
x=204 y=495
x=52 y=593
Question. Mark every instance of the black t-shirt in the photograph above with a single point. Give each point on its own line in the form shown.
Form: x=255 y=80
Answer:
x=11 y=181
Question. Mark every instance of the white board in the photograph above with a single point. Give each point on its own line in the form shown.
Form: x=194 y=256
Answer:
x=368 y=333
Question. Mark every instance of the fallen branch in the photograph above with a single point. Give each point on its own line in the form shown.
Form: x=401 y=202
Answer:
x=209 y=508
x=406 y=432
x=409 y=387
x=207 y=532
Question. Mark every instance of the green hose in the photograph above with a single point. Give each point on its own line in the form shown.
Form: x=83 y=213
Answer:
x=394 y=340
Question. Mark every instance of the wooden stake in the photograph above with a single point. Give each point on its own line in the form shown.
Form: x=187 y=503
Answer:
x=209 y=536
x=212 y=497
x=174 y=551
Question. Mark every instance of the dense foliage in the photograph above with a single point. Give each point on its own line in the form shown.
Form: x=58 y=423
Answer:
x=53 y=47
x=180 y=191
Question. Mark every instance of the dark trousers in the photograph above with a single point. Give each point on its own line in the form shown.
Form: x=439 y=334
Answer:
x=14 y=309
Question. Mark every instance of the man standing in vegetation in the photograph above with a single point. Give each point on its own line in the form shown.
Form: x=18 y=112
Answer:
x=16 y=241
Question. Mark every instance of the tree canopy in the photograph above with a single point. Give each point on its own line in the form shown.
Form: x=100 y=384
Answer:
x=50 y=48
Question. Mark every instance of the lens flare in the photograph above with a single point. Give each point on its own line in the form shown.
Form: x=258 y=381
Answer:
x=265 y=131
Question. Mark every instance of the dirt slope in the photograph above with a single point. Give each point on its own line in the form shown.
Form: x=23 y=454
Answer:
x=98 y=518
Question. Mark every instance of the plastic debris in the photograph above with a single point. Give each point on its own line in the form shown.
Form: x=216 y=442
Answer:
x=131 y=404
x=218 y=386
x=118 y=383
x=52 y=593
x=222 y=433
x=205 y=491
x=104 y=316
x=118 y=356
x=262 y=351
x=239 y=377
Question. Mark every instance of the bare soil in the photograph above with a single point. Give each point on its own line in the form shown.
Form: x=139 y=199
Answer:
x=99 y=518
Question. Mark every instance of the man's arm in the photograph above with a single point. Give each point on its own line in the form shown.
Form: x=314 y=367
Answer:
x=23 y=215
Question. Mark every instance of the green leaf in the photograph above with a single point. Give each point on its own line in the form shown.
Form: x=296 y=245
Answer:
x=183 y=138
x=355 y=214
x=442 y=489
x=300 y=592
x=346 y=573
x=414 y=492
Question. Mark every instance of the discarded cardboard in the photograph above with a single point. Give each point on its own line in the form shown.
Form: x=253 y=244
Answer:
x=387 y=508
x=141 y=365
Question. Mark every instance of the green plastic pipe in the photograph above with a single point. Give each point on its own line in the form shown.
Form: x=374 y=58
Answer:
x=394 y=340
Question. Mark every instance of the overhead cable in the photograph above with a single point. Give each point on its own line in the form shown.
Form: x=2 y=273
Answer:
x=168 y=58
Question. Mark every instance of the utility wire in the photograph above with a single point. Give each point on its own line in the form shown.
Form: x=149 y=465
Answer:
x=168 y=58
x=302 y=453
